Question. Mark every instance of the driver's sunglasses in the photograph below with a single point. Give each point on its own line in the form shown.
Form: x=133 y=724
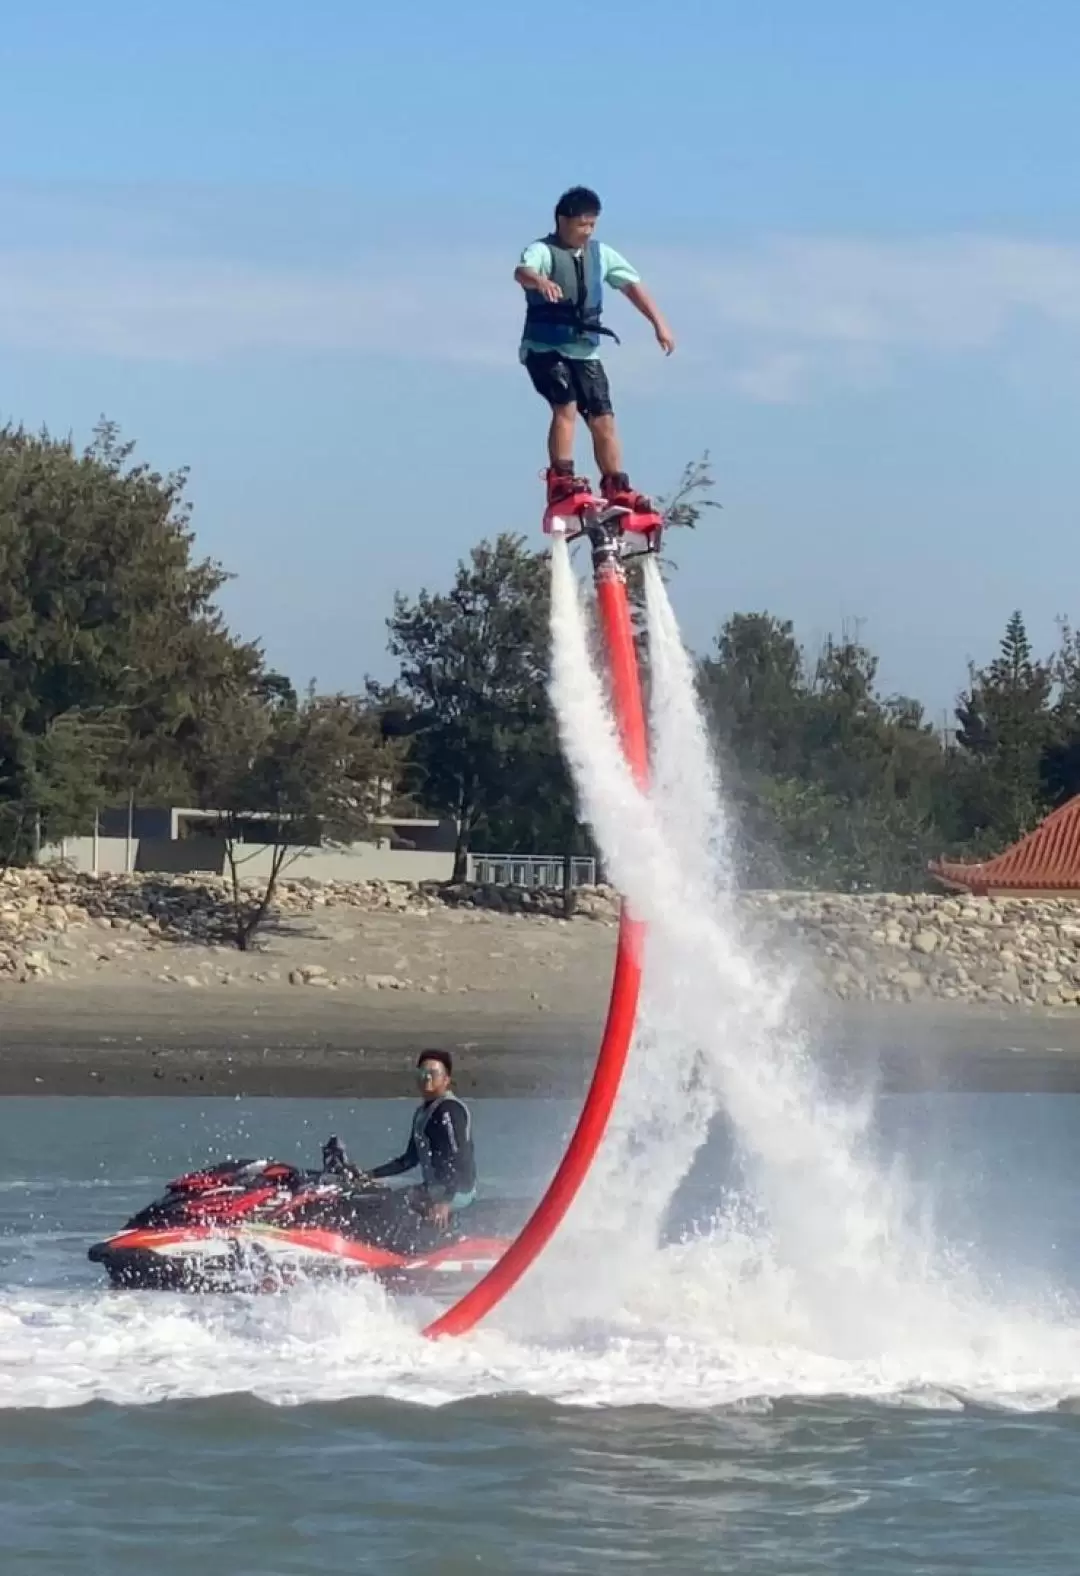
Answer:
x=427 y=1074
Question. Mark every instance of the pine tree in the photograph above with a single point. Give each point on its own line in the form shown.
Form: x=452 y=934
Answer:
x=1006 y=725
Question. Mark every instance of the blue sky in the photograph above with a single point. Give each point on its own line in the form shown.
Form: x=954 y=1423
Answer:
x=275 y=243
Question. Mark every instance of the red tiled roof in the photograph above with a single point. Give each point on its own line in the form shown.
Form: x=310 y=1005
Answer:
x=1046 y=860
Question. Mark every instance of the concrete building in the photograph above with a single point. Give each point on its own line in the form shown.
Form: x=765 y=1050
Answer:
x=180 y=840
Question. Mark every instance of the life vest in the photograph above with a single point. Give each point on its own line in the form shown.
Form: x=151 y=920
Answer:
x=580 y=277
x=423 y=1116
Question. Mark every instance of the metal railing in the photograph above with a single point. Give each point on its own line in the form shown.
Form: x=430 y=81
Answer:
x=531 y=870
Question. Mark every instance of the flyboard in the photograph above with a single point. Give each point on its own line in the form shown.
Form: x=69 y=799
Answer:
x=614 y=535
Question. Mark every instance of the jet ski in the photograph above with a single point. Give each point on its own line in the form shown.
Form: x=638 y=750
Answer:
x=264 y=1225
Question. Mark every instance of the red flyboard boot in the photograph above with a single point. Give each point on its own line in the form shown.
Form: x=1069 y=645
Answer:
x=643 y=519
x=568 y=496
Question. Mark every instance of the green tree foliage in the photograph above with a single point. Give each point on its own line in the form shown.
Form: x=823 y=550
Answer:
x=687 y=504
x=59 y=783
x=754 y=686
x=285 y=775
x=838 y=785
x=472 y=688
x=833 y=784
x=119 y=678
x=1060 y=764
x=473 y=666
x=1007 y=725
x=109 y=636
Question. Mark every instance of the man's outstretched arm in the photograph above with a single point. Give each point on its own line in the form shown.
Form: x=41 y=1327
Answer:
x=645 y=304
x=529 y=279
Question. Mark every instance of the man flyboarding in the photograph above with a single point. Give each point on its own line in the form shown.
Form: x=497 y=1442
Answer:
x=563 y=277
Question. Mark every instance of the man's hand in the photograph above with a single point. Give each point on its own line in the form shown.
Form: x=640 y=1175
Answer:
x=439 y=1213
x=529 y=279
x=665 y=338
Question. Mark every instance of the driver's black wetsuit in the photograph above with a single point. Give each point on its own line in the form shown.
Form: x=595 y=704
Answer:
x=441 y=1145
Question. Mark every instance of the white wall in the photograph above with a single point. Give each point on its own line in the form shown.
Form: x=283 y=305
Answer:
x=79 y=852
x=361 y=862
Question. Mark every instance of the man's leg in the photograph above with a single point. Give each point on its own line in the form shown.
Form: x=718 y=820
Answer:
x=594 y=397
x=553 y=381
x=562 y=483
x=606 y=446
x=550 y=377
x=561 y=435
x=388 y=1221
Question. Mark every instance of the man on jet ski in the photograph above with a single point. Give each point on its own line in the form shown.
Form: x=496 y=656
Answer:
x=440 y=1143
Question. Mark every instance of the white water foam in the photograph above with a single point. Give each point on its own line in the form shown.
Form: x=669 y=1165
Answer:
x=825 y=1249
x=816 y=1278
x=708 y=1340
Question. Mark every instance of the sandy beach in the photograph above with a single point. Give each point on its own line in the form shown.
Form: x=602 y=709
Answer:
x=336 y=1001
x=520 y=999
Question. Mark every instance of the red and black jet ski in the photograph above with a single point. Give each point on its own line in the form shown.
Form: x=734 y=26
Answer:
x=264 y=1225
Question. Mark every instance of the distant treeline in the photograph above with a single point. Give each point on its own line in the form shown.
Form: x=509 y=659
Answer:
x=119 y=677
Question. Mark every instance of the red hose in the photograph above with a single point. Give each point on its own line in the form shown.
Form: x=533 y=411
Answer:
x=622 y=1010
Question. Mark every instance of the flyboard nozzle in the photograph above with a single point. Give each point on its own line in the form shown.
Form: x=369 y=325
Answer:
x=605 y=533
x=606 y=541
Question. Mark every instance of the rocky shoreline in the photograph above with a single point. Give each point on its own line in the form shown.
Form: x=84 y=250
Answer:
x=890 y=947
x=869 y=947
x=54 y=923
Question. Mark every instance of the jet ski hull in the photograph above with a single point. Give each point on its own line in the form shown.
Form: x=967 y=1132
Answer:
x=265 y=1258
x=261 y=1225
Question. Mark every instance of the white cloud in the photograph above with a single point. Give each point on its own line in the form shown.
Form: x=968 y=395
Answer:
x=785 y=315
x=770 y=321
x=143 y=308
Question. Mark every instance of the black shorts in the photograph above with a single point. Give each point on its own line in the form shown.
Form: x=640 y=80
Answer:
x=567 y=380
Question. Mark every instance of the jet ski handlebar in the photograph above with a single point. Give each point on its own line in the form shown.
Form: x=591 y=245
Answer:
x=336 y=1163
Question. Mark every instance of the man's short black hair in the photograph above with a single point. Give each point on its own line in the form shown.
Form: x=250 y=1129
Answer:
x=437 y=1056
x=577 y=203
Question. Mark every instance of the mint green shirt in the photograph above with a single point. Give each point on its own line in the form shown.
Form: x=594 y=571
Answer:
x=617 y=273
